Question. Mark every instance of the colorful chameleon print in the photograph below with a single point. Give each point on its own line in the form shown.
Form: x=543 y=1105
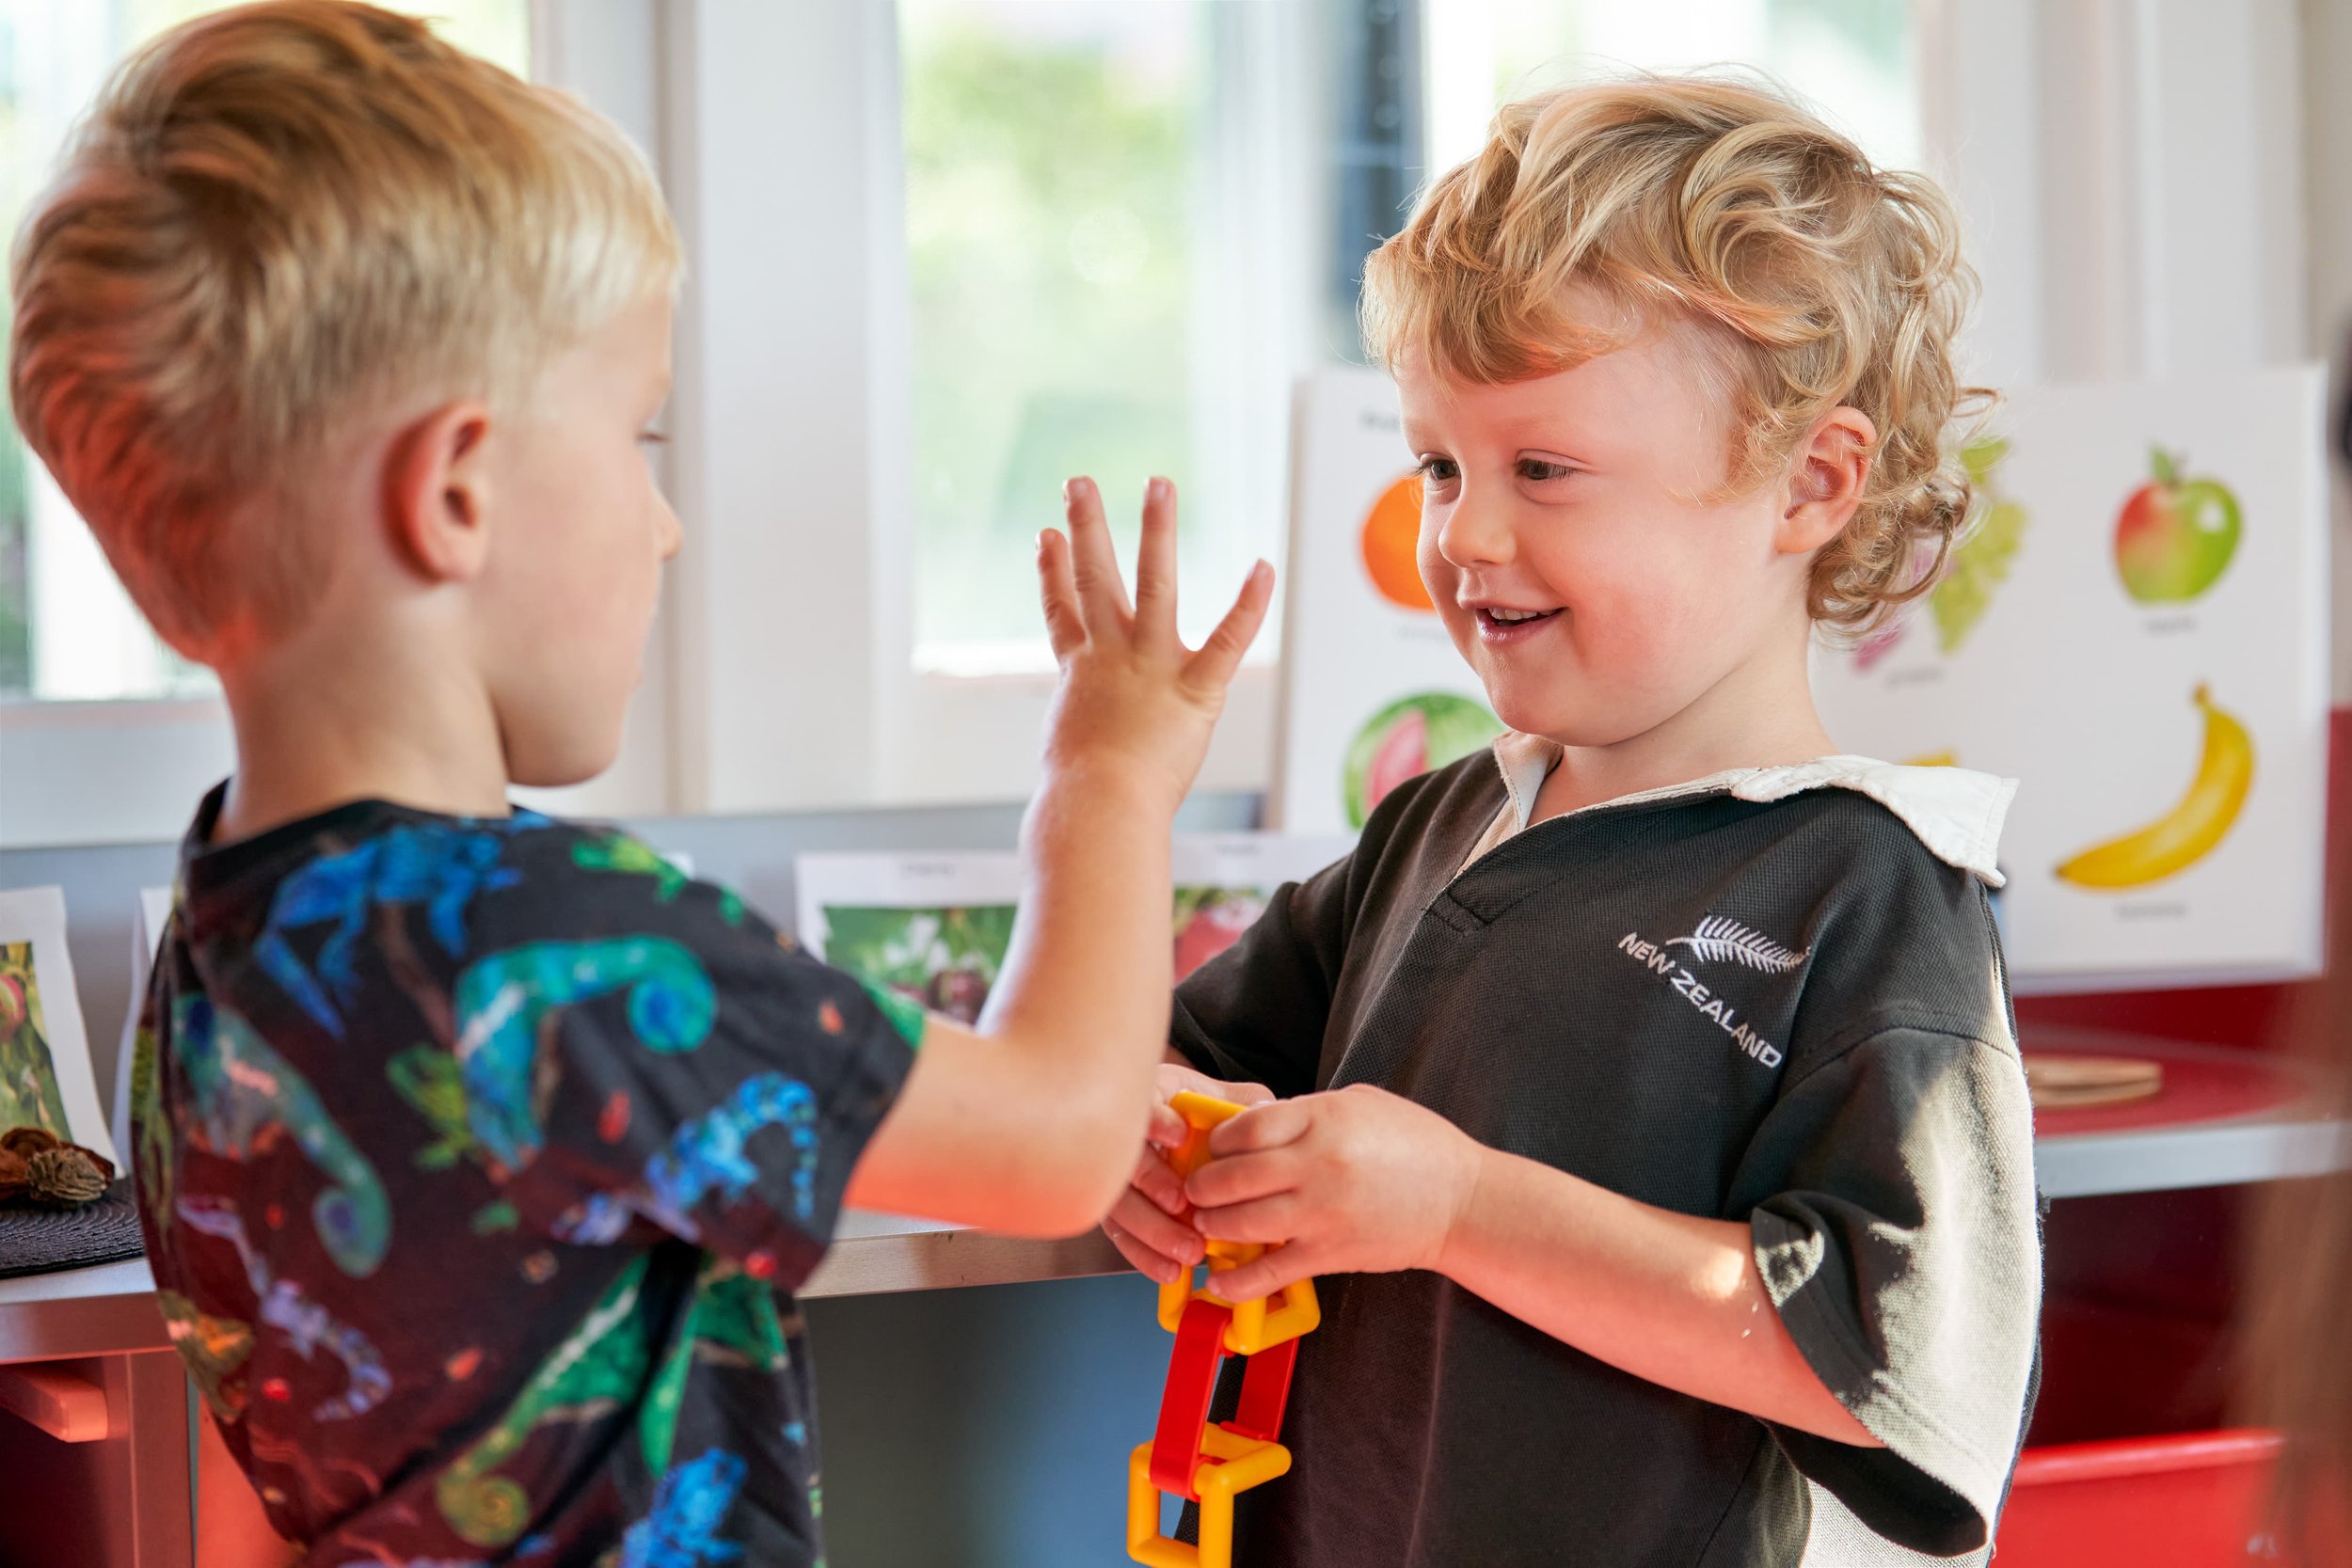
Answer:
x=633 y=857
x=443 y=869
x=241 y=1090
x=503 y=1001
x=687 y=1509
x=285 y=1308
x=215 y=1350
x=706 y=1154
x=732 y=1320
x=599 y=1366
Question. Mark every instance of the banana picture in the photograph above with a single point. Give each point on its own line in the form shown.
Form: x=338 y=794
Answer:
x=2192 y=828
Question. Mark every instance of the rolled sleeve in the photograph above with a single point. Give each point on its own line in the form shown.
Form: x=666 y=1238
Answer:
x=1898 y=1234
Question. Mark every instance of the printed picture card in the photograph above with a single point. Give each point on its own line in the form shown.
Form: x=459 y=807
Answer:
x=936 y=927
x=45 y=1075
x=2136 y=630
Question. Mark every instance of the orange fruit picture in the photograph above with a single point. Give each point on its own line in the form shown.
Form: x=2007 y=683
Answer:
x=1391 y=536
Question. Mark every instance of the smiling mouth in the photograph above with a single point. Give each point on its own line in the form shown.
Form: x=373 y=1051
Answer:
x=1506 y=619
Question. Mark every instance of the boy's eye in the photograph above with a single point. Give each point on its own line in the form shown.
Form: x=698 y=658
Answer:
x=1539 y=471
x=653 y=437
x=1439 y=471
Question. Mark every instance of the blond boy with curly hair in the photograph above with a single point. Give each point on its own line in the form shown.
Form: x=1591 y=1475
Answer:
x=1646 y=1090
x=480 y=1153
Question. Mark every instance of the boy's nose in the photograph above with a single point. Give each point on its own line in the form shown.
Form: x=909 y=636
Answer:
x=1475 y=533
x=669 y=534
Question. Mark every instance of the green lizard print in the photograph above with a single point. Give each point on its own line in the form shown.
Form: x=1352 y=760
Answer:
x=634 y=856
x=602 y=1365
x=734 y=1320
x=152 y=1162
x=242 y=1088
x=215 y=1350
x=502 y=999
x=427 y=1078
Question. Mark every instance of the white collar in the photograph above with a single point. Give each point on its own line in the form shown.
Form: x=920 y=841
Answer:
x=1956 y=811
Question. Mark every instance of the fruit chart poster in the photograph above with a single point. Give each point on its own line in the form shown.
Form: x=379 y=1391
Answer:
x=1373 y=690
x=2135 y=627
x=936 y=927
x=45 y=1075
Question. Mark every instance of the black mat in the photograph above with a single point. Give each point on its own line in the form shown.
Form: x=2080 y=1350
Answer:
x=42 y=1241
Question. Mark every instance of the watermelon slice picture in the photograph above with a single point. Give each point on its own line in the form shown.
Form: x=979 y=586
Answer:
x=1407 y=738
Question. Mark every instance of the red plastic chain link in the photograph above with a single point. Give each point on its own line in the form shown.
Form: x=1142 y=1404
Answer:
x=1265 y=1392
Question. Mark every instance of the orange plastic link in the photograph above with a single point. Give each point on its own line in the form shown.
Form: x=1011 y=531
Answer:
x=1257 y=1325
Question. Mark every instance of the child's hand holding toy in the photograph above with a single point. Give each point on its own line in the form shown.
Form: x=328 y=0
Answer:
x=1357 y=1180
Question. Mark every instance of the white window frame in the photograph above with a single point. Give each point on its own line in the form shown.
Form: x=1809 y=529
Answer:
x=786 y=662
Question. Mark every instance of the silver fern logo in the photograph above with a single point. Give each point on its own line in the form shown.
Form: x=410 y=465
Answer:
x=1720 y=939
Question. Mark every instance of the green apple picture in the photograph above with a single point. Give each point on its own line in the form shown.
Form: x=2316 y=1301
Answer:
x=2176 y=533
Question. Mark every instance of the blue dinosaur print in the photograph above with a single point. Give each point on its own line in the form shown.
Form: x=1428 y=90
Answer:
x=707 y=1152
x=304 y=1321
x=687 y=1509
x=443 y=869
x=241 y=1088
x=502 y=999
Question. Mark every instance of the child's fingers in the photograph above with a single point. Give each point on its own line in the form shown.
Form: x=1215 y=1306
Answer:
x=1156 y=564
x=1156 y=1181
x=1260 y=1128
x=1064 y=628
x=1278 y=1218
x=1212 y=668
x=1269 y=1273
x=1166 y=1129
x=1171 y=1239
x=1093 y=563
x=1239 y=1178
x=1140 y=1258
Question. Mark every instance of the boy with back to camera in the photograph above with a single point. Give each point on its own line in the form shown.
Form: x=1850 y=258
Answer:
x=1648 y=1089
x=480 y=1153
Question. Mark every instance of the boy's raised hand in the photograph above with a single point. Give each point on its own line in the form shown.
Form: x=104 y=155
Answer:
x=1149 y=1225
x=1131 y=691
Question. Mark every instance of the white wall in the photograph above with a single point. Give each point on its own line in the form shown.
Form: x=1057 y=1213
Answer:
x=2328 y=230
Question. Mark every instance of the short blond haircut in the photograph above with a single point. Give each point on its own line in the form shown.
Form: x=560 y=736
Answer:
x=275 y=219
x=1708 y=200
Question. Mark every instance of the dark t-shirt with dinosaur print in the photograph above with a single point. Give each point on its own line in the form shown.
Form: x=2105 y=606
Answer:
x=479 y=1158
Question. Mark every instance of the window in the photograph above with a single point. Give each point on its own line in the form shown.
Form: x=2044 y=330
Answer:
x=1100 y=283
x=1853 y=60
x=66 y=630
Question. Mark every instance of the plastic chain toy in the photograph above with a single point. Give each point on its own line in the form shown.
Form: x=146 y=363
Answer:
x=1187 y=1456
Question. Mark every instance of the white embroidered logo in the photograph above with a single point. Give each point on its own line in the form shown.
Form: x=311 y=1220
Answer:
x=1720 y=939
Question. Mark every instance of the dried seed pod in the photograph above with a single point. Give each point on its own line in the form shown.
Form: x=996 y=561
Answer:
x=26 y=1142
x=15 y=1175
x=65 y=1177
x=104 y=1166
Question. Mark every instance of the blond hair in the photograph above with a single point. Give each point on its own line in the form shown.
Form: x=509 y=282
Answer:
x=1708 y=200
x=273 y=218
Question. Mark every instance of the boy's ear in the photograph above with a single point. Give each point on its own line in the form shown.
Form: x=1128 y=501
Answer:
x=1826 y=481
x=436 y=492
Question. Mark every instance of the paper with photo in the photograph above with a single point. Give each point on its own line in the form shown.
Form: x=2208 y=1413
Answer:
x=45 y=1074
x=936 y=927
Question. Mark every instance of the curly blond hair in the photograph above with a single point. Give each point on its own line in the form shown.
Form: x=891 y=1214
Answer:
x=277 y=218
x=1714 y=201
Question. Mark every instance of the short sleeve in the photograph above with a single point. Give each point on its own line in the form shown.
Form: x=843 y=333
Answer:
x=649 y=1050
x=1891 y=1201
x=1255 y=1013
